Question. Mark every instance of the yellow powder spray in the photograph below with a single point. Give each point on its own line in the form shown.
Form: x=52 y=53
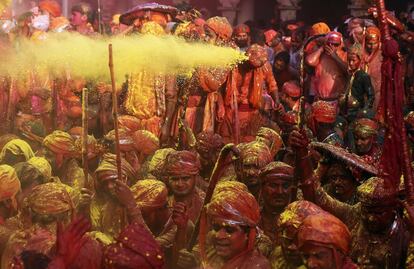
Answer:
x=88 y=57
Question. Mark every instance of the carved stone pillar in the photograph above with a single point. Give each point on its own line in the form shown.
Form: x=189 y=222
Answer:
x=287 y=9
x=358 y=8
x=229 y=9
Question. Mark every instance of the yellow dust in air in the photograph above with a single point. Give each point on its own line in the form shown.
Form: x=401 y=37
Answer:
x=86 y=57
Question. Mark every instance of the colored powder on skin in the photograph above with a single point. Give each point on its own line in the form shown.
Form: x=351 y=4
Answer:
x=80 y=56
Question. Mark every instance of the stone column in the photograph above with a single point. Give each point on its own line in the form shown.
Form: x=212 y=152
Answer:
x=359 y=8
x=229 y=9
x=287 y=9
x=246 y=11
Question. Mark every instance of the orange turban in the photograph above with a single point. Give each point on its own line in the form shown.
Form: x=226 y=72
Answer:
x=157 y=161
x=50 y=199
x=130 y=122
x=291 y=88
x=126 y=143
x=221 y=26
x=270 y=35
x=60 y=142
x=365 y=127
x=373 y=33
x=17 y=147
x=334 y=37
x=9 y=183
x=239 y=208
x=296 y=212
x=324 y=112
x=51 y=6
x=181 y=163
x=107 y=169
x=319 y=28
x=135 y=247
x=327 y=230
x=145 y=142
x=150 y=193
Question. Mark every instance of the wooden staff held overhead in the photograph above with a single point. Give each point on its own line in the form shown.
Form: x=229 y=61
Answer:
x=85 y=136
x=115 y=113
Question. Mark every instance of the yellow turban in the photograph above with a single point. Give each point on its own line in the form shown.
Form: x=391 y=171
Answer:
x=17 y=147
x=150 y=193
x=42 y=165
x=9 y=183
x=320 y=28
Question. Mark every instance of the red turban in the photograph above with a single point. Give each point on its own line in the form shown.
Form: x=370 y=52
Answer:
x=239 y=208
x=50 y=198
x=277 y=169
x=241 y=28
x=51 y=6
x=334 y=37
x=376 y=192
x=270 y=136
x=291 y=88
x=270 y=35
x=221 y=26
x=234 y=186
x=324 y=112
x=134 y=248
x=327 y=230
x=150 y=193
x=181 y=163
x=257 y=55
x=365 y=127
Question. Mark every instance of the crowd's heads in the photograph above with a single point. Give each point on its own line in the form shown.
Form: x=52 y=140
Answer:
x=278 y=185
x=288 y=225
x=324 y=241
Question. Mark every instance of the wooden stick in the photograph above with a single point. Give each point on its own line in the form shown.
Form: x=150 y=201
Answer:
x=85 y=136
x=115 y=113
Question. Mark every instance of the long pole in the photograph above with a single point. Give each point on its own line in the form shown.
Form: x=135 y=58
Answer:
x=85 y=136
x=115 y=113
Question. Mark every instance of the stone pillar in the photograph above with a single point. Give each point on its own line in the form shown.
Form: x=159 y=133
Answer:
x=229 y=9
x=287 y=9
x=246 y=11
x=358 y=8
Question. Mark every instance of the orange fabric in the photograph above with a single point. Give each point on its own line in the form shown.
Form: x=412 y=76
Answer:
x=319 y=29
x=255 y=153
x=51 y=6
x=107 y=169
x=9 y=183
x=296 y=212
x=145 y=142
x=50 y=198
x=130 y=122
x=327 y=230
x=60 y=142
x=269 y=35
x=373 y=33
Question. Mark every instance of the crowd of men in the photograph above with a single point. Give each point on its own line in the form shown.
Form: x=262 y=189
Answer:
x=272 y=163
